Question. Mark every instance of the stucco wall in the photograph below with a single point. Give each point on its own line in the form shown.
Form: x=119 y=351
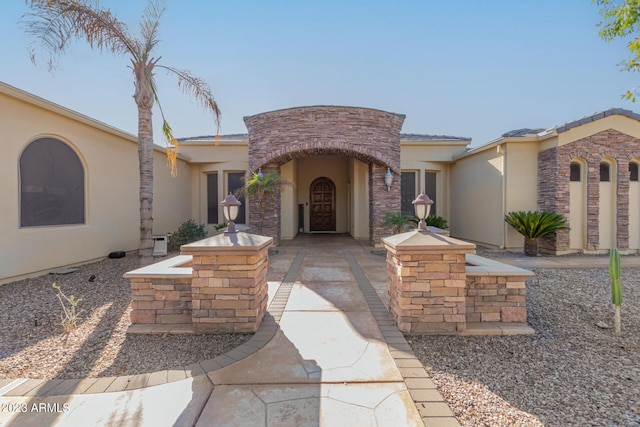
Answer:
x=110 y=163
x=477 y=197
x=521 y=184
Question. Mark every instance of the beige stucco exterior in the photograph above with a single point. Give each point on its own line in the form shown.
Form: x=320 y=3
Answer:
x=109 y=158
x=475 y=188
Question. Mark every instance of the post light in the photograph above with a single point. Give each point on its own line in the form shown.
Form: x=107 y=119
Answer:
x=231 y=207
x=422 y=205
x=388 y=179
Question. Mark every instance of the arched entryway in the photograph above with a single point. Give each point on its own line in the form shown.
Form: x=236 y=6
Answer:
x=353 y=147
x=322 y=205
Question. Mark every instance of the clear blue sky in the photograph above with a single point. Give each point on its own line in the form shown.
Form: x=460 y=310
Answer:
x=465 y=68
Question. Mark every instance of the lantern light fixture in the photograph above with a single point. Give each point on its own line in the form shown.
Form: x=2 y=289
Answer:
x=422 y=206
x=231 y=207
x=388 y=179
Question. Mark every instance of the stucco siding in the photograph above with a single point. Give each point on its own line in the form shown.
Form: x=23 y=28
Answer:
x=110 y=163
x=477 y=198
x=521 y=184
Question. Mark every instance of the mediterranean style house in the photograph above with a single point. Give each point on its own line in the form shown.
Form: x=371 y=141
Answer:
x=69 y=183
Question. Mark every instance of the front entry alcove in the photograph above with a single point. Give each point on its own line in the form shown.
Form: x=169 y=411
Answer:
x=331 y=191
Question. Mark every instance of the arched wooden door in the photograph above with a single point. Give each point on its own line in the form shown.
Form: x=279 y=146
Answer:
x=322 y=195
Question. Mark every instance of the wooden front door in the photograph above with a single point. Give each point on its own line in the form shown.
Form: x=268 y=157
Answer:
x=322 y=194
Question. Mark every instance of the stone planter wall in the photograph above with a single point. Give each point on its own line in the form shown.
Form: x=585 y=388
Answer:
x=437 y=285
x=218 y=285
x=495 y=298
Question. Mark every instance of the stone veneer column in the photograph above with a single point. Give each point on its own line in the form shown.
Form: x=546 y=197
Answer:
x=229 y=284
x=426 y=281
x=381 y=201
x=271 y=220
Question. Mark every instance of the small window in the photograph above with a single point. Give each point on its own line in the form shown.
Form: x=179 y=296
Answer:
x=576 y=172
x=430 y=183
x=212 y=198
x=633 y=171
x=236 y=182
x=604 y=172
x=407 y=192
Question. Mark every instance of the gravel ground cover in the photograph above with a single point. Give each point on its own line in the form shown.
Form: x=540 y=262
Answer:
x=99 y=346
x=572 y=372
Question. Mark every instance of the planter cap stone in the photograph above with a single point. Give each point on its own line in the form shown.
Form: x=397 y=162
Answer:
x=416 y=240
x=228 y=242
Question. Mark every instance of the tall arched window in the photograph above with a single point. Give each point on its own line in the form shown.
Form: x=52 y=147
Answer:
x=51 y=185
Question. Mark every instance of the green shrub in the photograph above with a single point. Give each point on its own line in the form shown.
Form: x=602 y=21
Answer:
x=396 y=221
x=189 y=231
x=432 y=220
x=437 y=221
x=534 y=224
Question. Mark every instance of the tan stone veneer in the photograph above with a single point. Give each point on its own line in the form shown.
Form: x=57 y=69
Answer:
x=437 y=285
x=426 y=282
x=229 y=283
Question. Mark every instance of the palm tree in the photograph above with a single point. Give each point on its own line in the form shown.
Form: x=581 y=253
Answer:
x=264 y=187
x=533 y=225
x=54 y=23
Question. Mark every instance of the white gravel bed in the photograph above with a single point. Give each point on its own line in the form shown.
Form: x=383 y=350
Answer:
x=99 y=346
x=570 y=373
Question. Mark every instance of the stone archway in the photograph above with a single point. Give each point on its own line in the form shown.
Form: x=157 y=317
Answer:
x=371 y=136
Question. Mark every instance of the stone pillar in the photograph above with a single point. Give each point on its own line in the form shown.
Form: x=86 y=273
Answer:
x=381 y=201
x=426 y=282
x=271 y=221
x=229 y=284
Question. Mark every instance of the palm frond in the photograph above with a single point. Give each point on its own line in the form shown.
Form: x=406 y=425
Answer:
x=199 y=89
x=53 y=24
x=149 y=25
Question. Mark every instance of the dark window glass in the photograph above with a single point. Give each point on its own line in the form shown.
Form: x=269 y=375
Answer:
x=51 y=185
x=633 y=171
x=212 y=198
x=236 y=181
x=407 y=192
x=430 y=190
x=604 y=172
x=576 y=172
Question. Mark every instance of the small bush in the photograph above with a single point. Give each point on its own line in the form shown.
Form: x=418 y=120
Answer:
x=437 y=221
x=189 y=231
x=432 y=220
x=396 y=221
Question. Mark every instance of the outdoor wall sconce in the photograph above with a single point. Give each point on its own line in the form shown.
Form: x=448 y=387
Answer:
x=231 y=207
x=260 y=174
x=422 y=205
x=388 y=179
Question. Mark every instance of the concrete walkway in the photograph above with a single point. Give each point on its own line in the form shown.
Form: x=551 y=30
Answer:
x=327 y=354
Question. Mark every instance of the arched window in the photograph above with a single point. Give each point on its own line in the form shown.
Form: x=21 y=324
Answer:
x=575 y=174
x=51 y=185
x=604 y=172
x=633 y=171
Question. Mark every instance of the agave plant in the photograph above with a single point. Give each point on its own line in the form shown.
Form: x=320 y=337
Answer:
x=533 y=225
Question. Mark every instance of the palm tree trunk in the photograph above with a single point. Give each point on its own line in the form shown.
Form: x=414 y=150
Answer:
x=144 y=101
x=530 y=247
